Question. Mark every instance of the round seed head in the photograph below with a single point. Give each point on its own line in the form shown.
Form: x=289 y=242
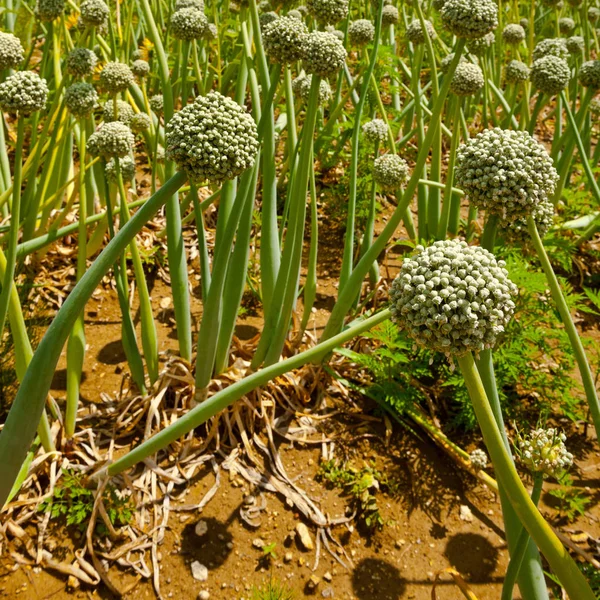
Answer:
x=595 y=106
x=126 y=165
x=24 y=92
x=328 y=12
x=524 y=22
x=283 y=39
x=361 y=32
x=550 y=74
x=479 y=459
x=294 y=14
x=140 y=68
x=94 y=13
x=211 y=32
x=11 y=51
x=390 y=171
x=81 y=62
x=111 y=139
x=157 y=103
x=544 y=453
x=188 y=24
x=438 y=4
x=212 y=139
x=566 y=25
x=467 y=79
x=589 y=74
x=375 y=131
x=593 y=14
x=323 y=53
x=198 y=4
x=447 y=61
x=390 y=15
x=516 y=71
x=136 y=54
x=116 y=77
x=81 y=99
x=551 y=47
x=479 y=46
x=301 y=86
x=338 y=34
x=266 y=18
x=516 y=233
x=48 y=10
x=415 y=33
x=575 y=45
x=140 y=122
x=513 y=34
x=505 y=172
x=470 y=19
x=264 y=6
x=453 y=298
x=303 y=10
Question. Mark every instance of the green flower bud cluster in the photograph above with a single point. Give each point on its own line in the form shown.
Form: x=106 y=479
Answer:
x=81 y=62
x=157 y=104
x=116 y=77
x=48 y=10
x=479 y=459
x=283 y=39
x=24 y=92
x=93 y=13
x=543 y=452
x=375 y=131
x=361 y=32
x=589 y=74
x=593 y=14
x=323 y=53
x=513 y=34
x=470 y=19
x=81 y=99
x=479 y=46
x=551 y=47
x=447 y=61
x=328 y=12
x=188 y=24
x=11 y=51
x=575 y=45
x=111 y=139
x=126 y=166
x=140 y=122
x=124 y=112
x=415 y=33
x=516 y=233
x=516 y=71
x=453 y=298
x=301 y=86
x=550 y=74
x=390 y=171
x=266 y=18
x=140 y=68
x=390 y=15
x=566 y=25
x=467 y=79
x=212 y=139
x=505 y=172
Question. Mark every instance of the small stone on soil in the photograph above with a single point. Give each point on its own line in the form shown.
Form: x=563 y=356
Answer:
x=201 y=528
x=199 y=571
x=203 y=595
x=304 y=537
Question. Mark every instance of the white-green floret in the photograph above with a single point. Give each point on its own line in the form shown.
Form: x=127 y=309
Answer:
x=516 y=71
x=595 y=106
x=24 y=92
x=390 y=15
x=198 y=4
x=301 y=86
x=390 y=171
x=140 y=68
x=328 y=12
x=116 y=77
x=469 y=18
x=593 y=14
x=479 y=46
x=188 y=24
x=157 y=104
x=294 y=14
x=81 y=99
x=551 y=47
x=126 y=166
x=375 y=131
x=516 y=233
x=124 y=112
x=550 y=74
x=566 y=25
x=453 y=298
x=479 y=459
x=589 y=74
x=323 y=53
x=111 y=139
x=467 y=79
x=213 y=139
x=415 y=33
x=211 y=32
x=48 y=10
x=447 y=61
x=140 y=122
x=506 y=172
x=575 y=45
x=283 y=39
x=93 y=13
x=338 y=33
x=81 y=62
x=361 y=32
x=266 y=18
x=11 y=51
x=513 y=34
x=544 y=453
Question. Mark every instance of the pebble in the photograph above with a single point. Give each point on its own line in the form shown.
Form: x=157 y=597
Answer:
x=288 y=557
x=258 y=543
x=465 y=513
x=328 y=577
x=201 y=528
x=199 y=571
x=204 y=595
x=313 y=582
x=327 y=592
x=304 y=537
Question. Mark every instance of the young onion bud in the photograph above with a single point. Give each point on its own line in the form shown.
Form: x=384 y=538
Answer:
x=361 y=32
x=551 y=47
x=467 y=79
x=589 y=74
x=157 y=104
x=24 y=92
x=301 y=86
x=575 y=45
x=516 y=71
x=140 y=68
x=124 y=112
x=48 y=10
x=505 y=172
x=516 y=233
x=323 y=53
x=212 y=139
x=81 y=62
x=328 y=12
x=375 y=131
x=453 y=298
x=283 y=39
x=389 y=15
x=11 y=51
x=415 y=33
x=126 y=166
x=111 y=139
x=188 y=24
x=550 y=74
x=513 y=34
x=94 y=13
x=566 y=26
x=140 y=122
x=81 y=99
x=543 y=452
x=116 y=77
x=470 y=19
x=479 y=459
x=479 y=46
x=390 y=171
